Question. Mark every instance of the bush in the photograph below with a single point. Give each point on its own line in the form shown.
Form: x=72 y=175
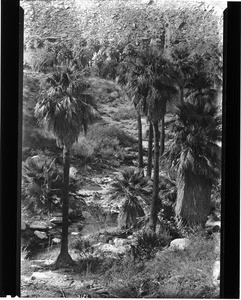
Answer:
x=34 y=136
x=110 y=133
x=184 y=274
x=148 y=244
x=124 y=278
x=83 y=246
x=42 y=180
x=125 y=114
x=89 y=261
x=40 y=59
x=103 y=144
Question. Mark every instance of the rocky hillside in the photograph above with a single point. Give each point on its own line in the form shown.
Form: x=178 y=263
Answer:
x=116 y=20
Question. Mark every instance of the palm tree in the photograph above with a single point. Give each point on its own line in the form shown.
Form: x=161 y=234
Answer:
x=151 y=84
x=150 y=146
x=195 y=154
x=159 y=87
x=66 y=110
x=128 y=76
x=132 y=186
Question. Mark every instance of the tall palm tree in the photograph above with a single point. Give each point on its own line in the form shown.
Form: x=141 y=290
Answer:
x=128 y=76
x=151 y=84
x=66 y=110
x=159 y=88
x=150 y=146
x=195 y=154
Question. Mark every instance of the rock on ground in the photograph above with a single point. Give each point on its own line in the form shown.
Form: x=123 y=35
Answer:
x=180 y=244
x=23 y=225
x=216 y=272
x=38 y=225
x=41 y=235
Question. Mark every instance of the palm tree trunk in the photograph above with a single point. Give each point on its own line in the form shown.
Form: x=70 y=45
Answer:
x=140 y=149
x=193 y=199
x=150 y=142
x=154 y=204
x=64 y=259
x=162 y=148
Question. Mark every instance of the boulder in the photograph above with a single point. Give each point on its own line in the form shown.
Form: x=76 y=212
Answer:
x=128 y=149
x=41 y=235
x=23 y=225
x=115 y=163
x=216 y=272
x=213 y=225
x=114 y=94
x=120 y=242
x=180 y=244
x=75 y=233
x=73 y=173
x=38 y=225
x=145 y=144
x=58 y=214
x=56 y=240
x=41 y=262
x=88 y=168
x=57 y=220
x=38 y=275
x=86 y=215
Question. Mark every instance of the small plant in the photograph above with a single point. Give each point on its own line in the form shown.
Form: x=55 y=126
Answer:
x=88 y=261
x=148 y=244
x=83 y=246
x=130 y=188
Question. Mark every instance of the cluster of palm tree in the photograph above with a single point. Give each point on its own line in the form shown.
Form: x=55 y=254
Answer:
x=149 y=80
x=152 y=80
x=67 y=108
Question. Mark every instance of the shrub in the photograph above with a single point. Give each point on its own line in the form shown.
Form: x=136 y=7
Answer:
x=111 y=133
x=40 y=59
x=148 y=244
x=184 y=274
x=103 y=144
x=34 y=136
x=124 y=114
x=42 y=180
x=124 y=278
x=83 y=246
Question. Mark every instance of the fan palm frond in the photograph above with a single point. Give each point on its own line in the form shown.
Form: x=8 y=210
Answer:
x=195 y=145
x=130 y=212
x=66 y=107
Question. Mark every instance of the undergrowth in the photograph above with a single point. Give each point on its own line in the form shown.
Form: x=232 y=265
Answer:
x=166 y=274
x=124 y=114
x=103 y=144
